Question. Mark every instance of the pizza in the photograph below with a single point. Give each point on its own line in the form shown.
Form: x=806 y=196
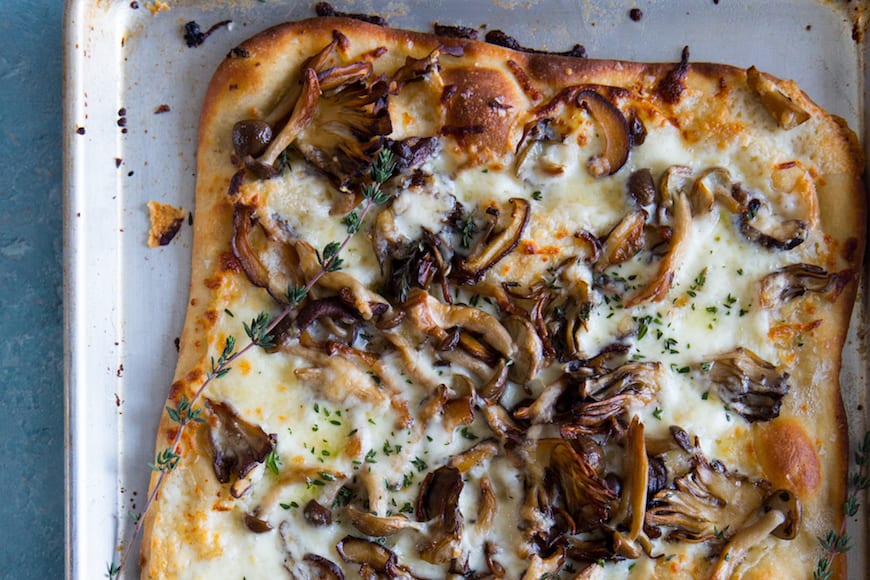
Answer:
x=467 y=310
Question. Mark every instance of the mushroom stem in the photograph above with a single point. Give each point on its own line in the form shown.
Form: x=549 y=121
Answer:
x=303 y=113
x=735 y=550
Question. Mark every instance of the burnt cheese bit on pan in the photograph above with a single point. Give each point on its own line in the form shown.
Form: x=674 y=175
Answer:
x=166 y=220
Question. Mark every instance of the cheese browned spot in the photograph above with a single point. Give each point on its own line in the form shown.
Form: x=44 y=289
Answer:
x=788 y=456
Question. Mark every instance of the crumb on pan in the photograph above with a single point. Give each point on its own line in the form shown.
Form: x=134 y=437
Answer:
x=166 y=220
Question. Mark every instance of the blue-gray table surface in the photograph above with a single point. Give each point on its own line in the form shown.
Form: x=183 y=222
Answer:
x=31 y=290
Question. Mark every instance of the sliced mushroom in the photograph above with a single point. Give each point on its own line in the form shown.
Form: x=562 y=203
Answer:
x=282 y=259
x=711 y=185
x=474 y=456
x=377 y=526
x=429 y=315
x=495 y=246
x=614 y=130
x=326 y=568
x=236 y=445
x=535 y=133
x=642 y=187
x=529 y=357
x=623 y=242
x=749 y=385
x=780 y=517
x=656 y=289
x=317 y=514
x=759 y=224
x=543 y=409
x=540 y=567
x=369 y=554
x=336 y=378
x=488 y=505
x=795 y=280
x=438 y=500
x=781 y=107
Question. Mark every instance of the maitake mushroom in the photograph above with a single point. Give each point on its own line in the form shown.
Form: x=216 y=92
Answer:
x=749 y=385
x=236 y=445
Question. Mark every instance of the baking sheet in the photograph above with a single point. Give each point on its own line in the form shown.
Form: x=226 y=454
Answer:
x=125 y=303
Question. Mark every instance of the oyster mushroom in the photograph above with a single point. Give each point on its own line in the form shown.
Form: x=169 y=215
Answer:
x=300 y=118
x=495 y=245
x=541 y=567
x=748 y=385
x=377 y=526
x=780 y=517
x=236 y=445
x=656 y=289
x=795 y=280
x=529 y=357
x=556 y=472
x=435 y=318
x=781 y=107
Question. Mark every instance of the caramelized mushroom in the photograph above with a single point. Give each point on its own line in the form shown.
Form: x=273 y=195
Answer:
x=642 y=187
x=379 y=527
x=623 y=242
x=708 y=504
x=656 y=289
x=361 y=551
x=781 y=107
x=614 y=130
x=632 y=501
x=326 y=568
x=496 y=246
x=760 y=225
x=300 y=118
x=610 y=395
x=795 y=280
x=429 y=315
x=236 y=445
x=529 y=357
x=439 y=501
x=748 y=385
x=251 y=137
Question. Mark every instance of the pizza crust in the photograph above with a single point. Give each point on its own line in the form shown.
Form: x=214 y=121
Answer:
x=805 y=449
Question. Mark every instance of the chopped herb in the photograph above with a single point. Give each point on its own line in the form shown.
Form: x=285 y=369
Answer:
x=657 y=413
x=537 y=195
x=467 y=434
x=273 y=462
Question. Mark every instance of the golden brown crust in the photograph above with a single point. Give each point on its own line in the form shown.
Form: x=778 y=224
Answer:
x=493 y=93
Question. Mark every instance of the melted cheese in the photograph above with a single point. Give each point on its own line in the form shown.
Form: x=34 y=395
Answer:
x=327 y=438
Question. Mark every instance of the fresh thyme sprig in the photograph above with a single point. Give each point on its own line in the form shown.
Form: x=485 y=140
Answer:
x=838 y=542
x=260 y=333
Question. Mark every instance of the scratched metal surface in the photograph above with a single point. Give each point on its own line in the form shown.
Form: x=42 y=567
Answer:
x=125 y=303
x=31 y=347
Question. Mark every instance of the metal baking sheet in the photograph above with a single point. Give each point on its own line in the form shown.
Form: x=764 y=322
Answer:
x=125 y=303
